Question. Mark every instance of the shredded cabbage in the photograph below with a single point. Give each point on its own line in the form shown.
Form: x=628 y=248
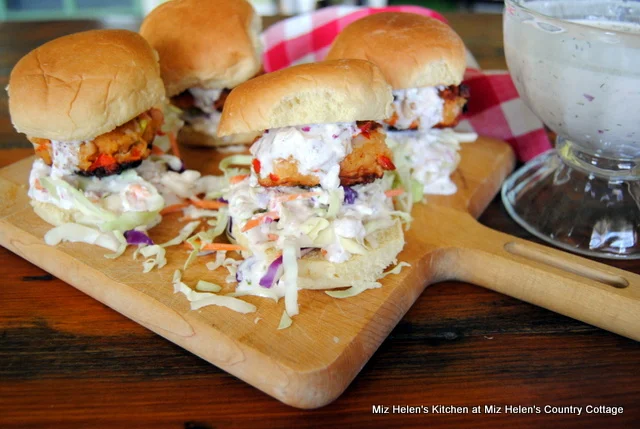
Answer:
x=285 y=321
x=184 y=233
x=397 y=269
x=416 y=191
x=192 y=255
x=123 y=245
x=220 y=259
x=357 y=288
x=91 y=214
x=150 y=263
x=335 y=203
x=172 y=124
x=313 y=226
x=290 y=276
x=234 y=160
x=208 y=286
x=234 y=304
x=76 y=233
x=177 y=277
x=352 y=246
x=202 y=299
x=404 y=217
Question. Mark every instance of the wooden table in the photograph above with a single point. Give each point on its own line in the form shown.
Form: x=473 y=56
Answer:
x=68 y=361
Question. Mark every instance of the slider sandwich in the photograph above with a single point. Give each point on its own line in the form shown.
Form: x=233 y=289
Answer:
x=206 y=48
x=424 y=61
x=315 y=211
x=88 y=102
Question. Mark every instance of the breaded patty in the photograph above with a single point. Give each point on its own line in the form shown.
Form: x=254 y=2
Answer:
x=454 y=97
x=368 y=160
x=112 y=152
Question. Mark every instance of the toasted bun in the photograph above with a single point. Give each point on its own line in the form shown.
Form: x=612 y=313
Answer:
x=205 y=43
x=191 y=137
x=83 y=85
x=318 y=93
x=315 y=272
x=411 y=50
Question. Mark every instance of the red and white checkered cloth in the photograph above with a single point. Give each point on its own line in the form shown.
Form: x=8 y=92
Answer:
x=494 y=109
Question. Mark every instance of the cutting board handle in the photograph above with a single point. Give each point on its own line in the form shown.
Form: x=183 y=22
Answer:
x=577 y=287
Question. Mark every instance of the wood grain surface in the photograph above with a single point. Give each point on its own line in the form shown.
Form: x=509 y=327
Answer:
x=310 y=364
x=68 y=361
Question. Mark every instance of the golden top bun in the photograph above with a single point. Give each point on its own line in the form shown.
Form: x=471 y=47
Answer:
x=80 y=86
x=205 y=43
x=411 y=50
x=318 y=93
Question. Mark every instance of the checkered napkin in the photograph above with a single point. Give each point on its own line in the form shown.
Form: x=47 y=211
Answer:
x=494 y=110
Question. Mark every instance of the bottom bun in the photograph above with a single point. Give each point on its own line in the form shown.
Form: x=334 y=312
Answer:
x=315 y=272
x=53 y=214
x=191 y=137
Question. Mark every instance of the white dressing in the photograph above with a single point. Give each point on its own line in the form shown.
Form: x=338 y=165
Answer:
x=317 y=149
x=422 y=104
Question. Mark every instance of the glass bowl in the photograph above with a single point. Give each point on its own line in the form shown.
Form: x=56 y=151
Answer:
x=576 y=64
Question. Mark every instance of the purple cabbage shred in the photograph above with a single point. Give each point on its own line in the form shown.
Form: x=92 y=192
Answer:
x=137 y=237
x=350 y=195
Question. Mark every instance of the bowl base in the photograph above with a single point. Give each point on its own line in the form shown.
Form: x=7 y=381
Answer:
x=575 y=210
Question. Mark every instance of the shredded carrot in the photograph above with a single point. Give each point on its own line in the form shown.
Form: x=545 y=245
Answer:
x=252 y=223
x=173 y=208
x=156 y=150
x=237 y=179
x=208 y=204
x=174 y=144
x=394 y=192
x=292 y=197
x=219 y=247
x=37 y=185
x=273 y=237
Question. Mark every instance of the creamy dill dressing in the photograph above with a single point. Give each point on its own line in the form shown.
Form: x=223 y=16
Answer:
x=318 y=149
x=581 y=81
x=424 y=104
x=65 y=158
x=204 y=99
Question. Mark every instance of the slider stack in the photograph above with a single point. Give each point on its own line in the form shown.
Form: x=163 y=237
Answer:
x=317 y=188
x=206 y=48
x=424 y=61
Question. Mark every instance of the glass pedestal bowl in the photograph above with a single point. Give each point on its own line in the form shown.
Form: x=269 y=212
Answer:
x=576 y=64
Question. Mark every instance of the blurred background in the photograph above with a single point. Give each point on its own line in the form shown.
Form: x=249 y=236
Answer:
x=33 y=10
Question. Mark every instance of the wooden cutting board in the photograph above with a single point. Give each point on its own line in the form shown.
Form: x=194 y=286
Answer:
x=311 y=363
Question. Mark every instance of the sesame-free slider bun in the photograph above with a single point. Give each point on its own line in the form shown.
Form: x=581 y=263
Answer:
x=317 y=93
x=316 y=272
x=205 y=43
x=80 y=86
x=411 y=50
